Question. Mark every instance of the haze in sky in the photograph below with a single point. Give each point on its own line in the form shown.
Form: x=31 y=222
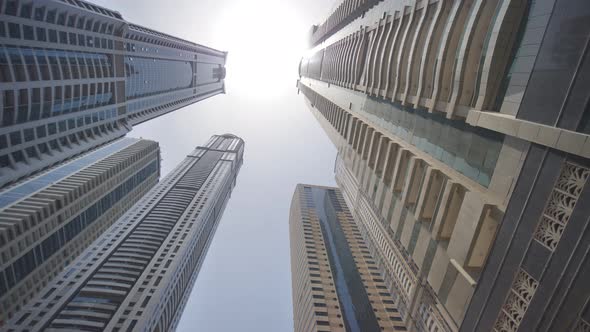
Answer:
x=245 y=281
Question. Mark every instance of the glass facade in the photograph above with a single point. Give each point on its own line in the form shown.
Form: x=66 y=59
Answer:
x=27 y=188
x=32 y=64
x=207 y=73
x=472 y=151
x=74 y=80
x=37 y=64
x=147 y=76
x=62 y=236
x=354 y=302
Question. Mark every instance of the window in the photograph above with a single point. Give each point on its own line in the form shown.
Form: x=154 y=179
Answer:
x=26 y=10
x=53 y=62
x=61 y=19
x=29 y=134
x=63 y=37
x=4 y=162
x=52 y=128
x=80 y=24
x=39 y=14
x=11 y=7
x=15 y=138
x=73 y=38
x=17 y=63
x=43 y=148
x=41 y=35
x=71 y=20
x=18 y=156
x=13 y=30
x=41 y=131
x=4 y=69
x=31 y=153
x=51 y=15
x=43 y=67
x=28 y=32
x=52 y=35
x=75 y=69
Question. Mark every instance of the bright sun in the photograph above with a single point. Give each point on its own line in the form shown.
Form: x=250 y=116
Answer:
x=265 y=41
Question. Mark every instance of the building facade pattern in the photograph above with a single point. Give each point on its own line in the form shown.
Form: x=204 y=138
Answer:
x=393 y=183
x=49 y=219
x=435 y=107
x=400 y=272
x=74 y=75
x=346 y=12
x=517 y=303
x=561 y=204
x=137 y=276
x=336 y=283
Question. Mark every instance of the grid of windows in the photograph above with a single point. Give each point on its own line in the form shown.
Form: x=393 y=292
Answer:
x=57 y=34
x=52 y=244
x=59 y=134
x=50 y=219
x=62 y=58
x=471 y=151
x=25 y=189
x=157 y=250
x=37 y=64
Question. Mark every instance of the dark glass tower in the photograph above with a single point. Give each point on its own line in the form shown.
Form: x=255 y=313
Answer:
x=74 y=75
x=138 y=274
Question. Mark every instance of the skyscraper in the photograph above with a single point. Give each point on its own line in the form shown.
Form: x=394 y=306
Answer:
x=462 y=130
x=138 y=274
x=48 y=219
x=74 y=75
x=336 y=283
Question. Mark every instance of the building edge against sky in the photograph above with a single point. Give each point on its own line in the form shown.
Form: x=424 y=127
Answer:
x=138 y=274
x=74 y=75
x=465 y=167
x=47 y=220
x=336 y=283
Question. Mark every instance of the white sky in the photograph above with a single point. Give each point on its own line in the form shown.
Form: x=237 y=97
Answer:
x=245 y=282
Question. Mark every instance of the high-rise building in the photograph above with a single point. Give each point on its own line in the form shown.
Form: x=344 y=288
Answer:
x=336 y=283
x=463 y=137
x=47 y=220
x=74 y=75
x=138 y=274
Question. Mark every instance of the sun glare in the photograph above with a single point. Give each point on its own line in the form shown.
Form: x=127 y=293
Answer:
x=265 y=42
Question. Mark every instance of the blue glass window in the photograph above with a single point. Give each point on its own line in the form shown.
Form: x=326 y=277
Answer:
x=472 y=151
x=146 y=76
